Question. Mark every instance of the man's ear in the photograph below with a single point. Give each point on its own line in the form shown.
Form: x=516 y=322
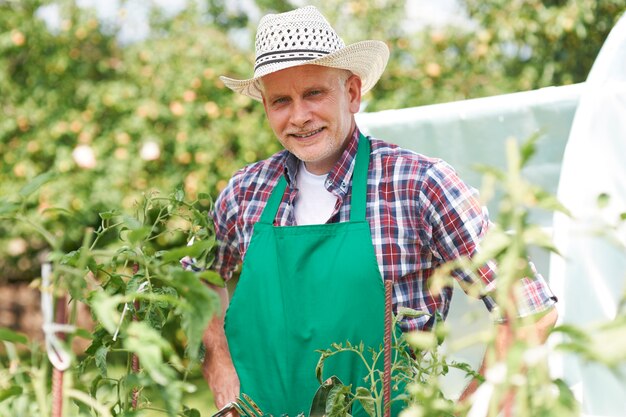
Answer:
x=353 y=88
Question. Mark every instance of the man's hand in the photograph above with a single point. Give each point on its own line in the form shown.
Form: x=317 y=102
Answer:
x=218 y=368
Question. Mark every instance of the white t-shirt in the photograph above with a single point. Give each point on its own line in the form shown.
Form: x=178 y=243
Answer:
x=314 y=204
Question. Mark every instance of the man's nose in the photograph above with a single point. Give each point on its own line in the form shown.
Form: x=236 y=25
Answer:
x=300 y=114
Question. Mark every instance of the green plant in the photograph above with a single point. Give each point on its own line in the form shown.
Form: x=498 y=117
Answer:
x=524 y=372
x=416 y=367
x=149 y=313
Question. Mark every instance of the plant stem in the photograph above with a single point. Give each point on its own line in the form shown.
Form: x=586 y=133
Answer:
x=88 y=400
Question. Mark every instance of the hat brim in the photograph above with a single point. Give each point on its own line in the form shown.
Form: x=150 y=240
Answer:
x=367 y=59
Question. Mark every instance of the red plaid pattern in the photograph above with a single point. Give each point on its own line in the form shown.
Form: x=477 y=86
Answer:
x=420 y=213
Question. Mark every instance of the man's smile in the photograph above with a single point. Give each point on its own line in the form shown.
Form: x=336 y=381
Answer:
x=307 y=134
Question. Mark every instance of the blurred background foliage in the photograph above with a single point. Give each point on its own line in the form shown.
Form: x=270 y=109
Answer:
x=112 y=120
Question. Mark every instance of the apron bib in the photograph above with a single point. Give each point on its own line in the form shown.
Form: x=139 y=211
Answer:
x=301 y=289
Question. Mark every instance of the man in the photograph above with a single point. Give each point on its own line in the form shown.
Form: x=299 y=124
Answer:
x=321 y=224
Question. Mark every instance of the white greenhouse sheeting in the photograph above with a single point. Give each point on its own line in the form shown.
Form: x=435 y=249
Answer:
x=580 y=164
x=590 y=278
x=471 y=132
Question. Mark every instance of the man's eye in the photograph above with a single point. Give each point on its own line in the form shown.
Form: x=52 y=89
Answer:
x=314 y=93
x=280 y=100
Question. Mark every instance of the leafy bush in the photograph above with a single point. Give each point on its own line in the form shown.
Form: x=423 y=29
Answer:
x=150 y=314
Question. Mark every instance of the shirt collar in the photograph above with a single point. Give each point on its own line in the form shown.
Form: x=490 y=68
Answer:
x=338 y=179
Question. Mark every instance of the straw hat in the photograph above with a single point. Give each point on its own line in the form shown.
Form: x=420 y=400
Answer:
x=304 y=37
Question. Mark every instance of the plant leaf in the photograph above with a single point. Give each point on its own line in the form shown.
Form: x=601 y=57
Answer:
x=8 y=335
x=338 y=400
x=12 y=391
x=200 y=303
x=101 y=360
x=529 y=148
x=367 y=401
x=137 y=235
x=109 y=214
x=213 y=278
x=131 y=222
x=421 y=340
x=179 y=195
x=105 y=308
x=603 y=200
x=150 y=348
x=192 y=251
x=8 y=207
x=36 y=183
x=84 y=333
x=191 y=412
x=409 y=312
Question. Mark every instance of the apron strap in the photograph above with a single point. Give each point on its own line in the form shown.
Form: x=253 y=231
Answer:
x=359 y=187
x=359 y=180
x=271 y=208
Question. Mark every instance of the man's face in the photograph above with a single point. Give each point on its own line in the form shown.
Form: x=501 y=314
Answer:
x=310 y=109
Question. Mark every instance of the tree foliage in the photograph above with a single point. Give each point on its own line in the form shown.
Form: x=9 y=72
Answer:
x=113 y=121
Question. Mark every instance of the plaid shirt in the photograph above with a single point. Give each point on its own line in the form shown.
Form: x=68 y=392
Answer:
x=420 y=213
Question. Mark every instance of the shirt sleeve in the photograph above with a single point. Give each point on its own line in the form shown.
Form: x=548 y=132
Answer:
x=225 y=215
x=458 y=222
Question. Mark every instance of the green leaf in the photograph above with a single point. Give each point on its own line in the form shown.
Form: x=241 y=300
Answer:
x=603 y=200
x=566 y=396
x=138 y=235
x=84 y=333
x=421 y=340
x=12 y=391
x=71 y=258
x=105 y=307
x=367 y=401
x=131 y=222
x=93 y=388
x=107 y=215
x=192 y=251
x=411 y=313
x=151 y=349
x=319 y=368
x=494 y=243
x=8 y=207
x=179 y=195
x=549 y=202
x=337 y=404
x=213 y=278
x=534 y=235
x=92 y=265
x=529 y=148
x=172 y=395
x=36 y=183
x=101 y=360
x=8 y=335
x=191 y=412
x=199 y=304
x=573 y=332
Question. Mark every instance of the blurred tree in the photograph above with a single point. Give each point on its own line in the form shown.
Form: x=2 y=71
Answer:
x=115 y=121
x=505 y=47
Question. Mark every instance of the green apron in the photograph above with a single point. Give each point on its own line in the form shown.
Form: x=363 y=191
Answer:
x=301 y=289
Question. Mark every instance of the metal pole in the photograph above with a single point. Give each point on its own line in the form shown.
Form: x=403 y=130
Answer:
x=387 y=341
